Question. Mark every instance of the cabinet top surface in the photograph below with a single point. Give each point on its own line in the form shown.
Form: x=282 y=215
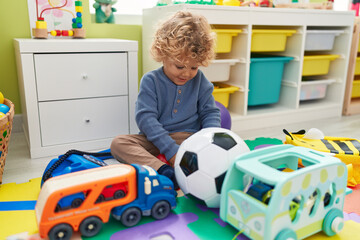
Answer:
x=28 y=45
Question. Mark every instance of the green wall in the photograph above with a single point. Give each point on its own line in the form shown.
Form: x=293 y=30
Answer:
x=14 y=23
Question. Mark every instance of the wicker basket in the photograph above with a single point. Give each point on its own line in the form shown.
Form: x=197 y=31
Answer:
x=5 y=132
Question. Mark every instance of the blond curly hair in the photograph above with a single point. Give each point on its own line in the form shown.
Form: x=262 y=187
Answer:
x=184 y=35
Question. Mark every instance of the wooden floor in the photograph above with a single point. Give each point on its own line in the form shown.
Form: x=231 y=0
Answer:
x=20 y=168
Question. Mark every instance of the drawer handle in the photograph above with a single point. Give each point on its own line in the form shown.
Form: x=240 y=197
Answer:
x=87 y=120
x=84 y=76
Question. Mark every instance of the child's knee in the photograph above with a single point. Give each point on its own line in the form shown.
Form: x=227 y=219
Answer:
x=117 y=142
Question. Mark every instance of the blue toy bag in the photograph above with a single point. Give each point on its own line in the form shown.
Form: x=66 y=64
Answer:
x=73 y=161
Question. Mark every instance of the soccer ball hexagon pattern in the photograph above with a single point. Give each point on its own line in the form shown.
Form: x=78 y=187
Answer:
x=202 y=161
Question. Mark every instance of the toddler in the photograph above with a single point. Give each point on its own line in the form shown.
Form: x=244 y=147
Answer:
x=175 y=100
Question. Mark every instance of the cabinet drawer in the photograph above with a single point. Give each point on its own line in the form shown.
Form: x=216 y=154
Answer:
x=80 y=75
x=82 y=120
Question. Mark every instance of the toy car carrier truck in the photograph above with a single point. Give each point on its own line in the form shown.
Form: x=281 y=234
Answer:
x=147 y=193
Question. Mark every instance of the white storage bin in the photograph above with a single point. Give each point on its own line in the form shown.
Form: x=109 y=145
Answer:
x=314 y=89
x=321 y=40
x=219 y=70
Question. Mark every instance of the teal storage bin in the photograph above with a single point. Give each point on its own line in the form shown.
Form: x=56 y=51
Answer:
x=265 y=78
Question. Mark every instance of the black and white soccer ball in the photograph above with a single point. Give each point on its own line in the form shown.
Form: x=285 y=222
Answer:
x=202 y=161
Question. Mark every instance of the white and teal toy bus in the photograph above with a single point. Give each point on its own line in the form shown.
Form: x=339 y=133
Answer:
x=284 y=193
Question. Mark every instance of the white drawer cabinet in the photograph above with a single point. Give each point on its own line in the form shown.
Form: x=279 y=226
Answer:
x=84 y=119
x=76 y=94
x=83 y=75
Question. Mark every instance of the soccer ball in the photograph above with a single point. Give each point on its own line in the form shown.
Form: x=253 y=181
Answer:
x=202 y=161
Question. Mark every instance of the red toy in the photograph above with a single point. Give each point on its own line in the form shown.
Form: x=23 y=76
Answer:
x=115 y=191
x=265 y=3
x=162 y=158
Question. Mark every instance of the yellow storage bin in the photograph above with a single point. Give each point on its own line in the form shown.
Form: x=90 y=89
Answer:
x=317 y=64
x=231 y=3
x=224 y=39
x=357 y=66
x=270 y=40
x=356 y=89
x=359 y=45
x=222 y=93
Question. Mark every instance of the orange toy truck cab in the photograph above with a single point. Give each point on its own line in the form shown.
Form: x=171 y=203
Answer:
x=89 y=216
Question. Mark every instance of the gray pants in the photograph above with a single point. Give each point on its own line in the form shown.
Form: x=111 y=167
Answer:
x=135 y=148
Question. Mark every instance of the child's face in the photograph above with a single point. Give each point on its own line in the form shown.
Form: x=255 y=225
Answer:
x=178 y=72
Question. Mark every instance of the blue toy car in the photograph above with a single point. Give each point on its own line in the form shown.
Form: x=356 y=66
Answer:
x=71 y=201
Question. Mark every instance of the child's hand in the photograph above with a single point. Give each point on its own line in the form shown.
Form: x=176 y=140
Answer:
x=169 y=172
x=172 y=160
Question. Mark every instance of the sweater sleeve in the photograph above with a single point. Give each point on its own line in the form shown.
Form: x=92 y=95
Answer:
x=209 y=113
x=146 y=116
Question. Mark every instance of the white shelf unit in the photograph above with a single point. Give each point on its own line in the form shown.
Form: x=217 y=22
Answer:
x=352 y=105
x=289 y=108
x=76 y=93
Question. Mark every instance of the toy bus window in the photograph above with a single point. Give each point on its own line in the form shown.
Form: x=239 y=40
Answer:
x=281 y=163
x=295 y=207
x=312 y=203
x=288 y=163
x=113 y=191
x=329 y=196
x=71 y=201
x=305 y=163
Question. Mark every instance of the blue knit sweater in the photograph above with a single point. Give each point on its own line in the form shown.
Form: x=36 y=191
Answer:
x=163 y=107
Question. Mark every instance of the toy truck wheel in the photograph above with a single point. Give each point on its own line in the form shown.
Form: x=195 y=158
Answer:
x=160 y=210
x=90 y=226
x=130 y=217
x=62 y=231
x=119 y=194
x=76 y=202
x=286 y=234
x=333 y=222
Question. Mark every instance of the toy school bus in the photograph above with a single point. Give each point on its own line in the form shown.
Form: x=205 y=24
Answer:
x=284 y=192
x=147 y=193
